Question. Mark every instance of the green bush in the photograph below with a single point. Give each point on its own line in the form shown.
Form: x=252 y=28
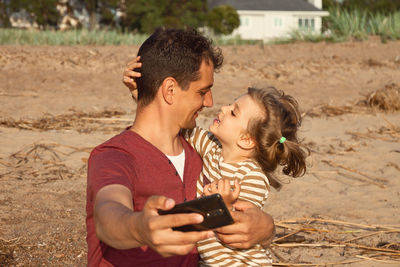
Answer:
x=223 y=19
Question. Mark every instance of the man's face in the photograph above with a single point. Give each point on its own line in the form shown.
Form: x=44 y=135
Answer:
x=197 y=96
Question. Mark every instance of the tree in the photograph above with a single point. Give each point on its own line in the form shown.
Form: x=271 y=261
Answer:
x=147 y=15
x=4 y=18
x=327 y=4
x=223 y=19
x=107 y=10
x=45 y=11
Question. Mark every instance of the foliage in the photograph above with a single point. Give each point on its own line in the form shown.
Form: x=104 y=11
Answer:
x=4 y=19
x=343 y=24
x=348 y=23
x=147 y=15
x=373 y=6
x=360 y=24
x=104 y=10
x=327 y=4
x=223 y=19
x=45 y=11
x=73 y=37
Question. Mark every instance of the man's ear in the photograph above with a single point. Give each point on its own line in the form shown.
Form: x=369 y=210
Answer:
x=168 y=89
x=246 y=142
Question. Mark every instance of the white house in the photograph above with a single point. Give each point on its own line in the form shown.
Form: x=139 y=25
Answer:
x=268 y=19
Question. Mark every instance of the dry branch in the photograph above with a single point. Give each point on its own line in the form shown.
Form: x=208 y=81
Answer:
x=316 y=264
x=367 y=135
x=292 y=245
x=377 y=260
x=392 y=164
x=318 y=239
x=378 y=180
x=277 y=240
x=41 y=163
x=370 y=234
x=79 y=121
x=361 y=179
x=337 y=222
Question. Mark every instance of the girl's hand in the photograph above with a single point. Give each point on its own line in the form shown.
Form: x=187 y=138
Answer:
x=223 y=187
x=130 y=75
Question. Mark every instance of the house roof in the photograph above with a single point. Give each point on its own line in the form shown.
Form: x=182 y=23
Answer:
x=273 y=5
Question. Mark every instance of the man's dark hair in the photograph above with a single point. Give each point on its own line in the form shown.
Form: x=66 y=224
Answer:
x=173 y=53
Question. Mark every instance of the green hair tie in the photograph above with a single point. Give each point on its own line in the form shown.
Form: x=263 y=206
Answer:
x=282 y=140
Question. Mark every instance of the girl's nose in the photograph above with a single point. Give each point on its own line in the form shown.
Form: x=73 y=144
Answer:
x=223 y=108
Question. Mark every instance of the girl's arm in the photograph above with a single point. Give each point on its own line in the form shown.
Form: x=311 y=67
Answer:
x=252 y=225
x=200 y=139
x=130 y=75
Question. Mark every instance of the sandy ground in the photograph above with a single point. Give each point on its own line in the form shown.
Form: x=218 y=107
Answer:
x=59 y=102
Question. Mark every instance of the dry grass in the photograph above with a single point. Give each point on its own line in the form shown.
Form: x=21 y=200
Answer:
x=386 y=99
x=105 y=121
x=7 y=248
x=41 y=163
x=355 y=242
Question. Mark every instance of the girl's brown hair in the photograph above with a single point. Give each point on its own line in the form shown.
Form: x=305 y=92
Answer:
x=281 y=119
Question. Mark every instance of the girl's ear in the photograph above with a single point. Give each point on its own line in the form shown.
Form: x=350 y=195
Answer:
x=168 y=88
x=246 y=142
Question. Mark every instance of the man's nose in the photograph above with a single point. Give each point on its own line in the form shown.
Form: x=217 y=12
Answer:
x=208 y=99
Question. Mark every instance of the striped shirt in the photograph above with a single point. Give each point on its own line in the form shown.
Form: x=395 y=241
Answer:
x=254 y=188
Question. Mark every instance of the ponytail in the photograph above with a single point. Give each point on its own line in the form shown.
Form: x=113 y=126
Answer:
x=276 y=134
x=291 y=156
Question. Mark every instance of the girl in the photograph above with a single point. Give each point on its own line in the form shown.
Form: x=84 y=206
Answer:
x=247 y=140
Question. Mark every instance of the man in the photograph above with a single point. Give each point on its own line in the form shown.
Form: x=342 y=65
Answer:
x=150 y=166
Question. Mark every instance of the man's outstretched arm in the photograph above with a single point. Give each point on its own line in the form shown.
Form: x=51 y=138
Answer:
x=120 y=227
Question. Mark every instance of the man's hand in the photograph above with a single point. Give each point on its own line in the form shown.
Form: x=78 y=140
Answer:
x=252 y=226
x=155 y=230
x=120 y=227
x=223 y=187
x=130 y=75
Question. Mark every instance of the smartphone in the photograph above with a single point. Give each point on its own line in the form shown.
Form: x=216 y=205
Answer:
x=212 y=208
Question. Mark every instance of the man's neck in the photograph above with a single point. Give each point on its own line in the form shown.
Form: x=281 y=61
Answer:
x=158 y=128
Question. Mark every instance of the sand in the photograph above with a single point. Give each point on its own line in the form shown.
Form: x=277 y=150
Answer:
x=59 y=102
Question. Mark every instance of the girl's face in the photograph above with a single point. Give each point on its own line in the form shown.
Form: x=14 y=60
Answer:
x=232 y=121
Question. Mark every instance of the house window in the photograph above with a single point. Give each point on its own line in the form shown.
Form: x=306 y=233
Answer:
x=306 y=23
x=244 y=21
x=277 y=22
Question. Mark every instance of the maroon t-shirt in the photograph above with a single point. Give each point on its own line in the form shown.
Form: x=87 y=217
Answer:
x=130 y=160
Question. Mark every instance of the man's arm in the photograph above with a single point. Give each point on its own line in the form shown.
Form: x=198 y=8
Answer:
x=252 y=226
x=120 y=227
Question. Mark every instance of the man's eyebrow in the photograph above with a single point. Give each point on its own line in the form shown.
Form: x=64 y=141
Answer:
x=206 y=88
